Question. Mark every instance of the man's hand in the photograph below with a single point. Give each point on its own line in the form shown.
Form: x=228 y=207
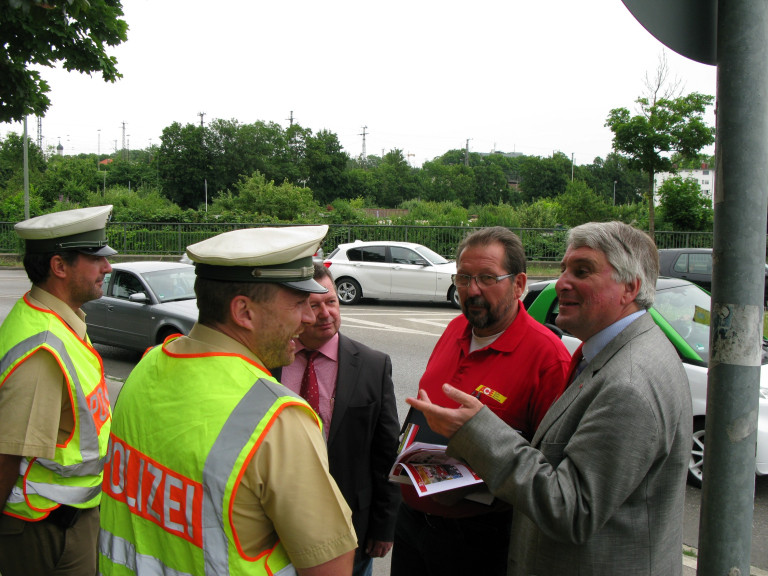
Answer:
x=377 y=548
x=446 y=421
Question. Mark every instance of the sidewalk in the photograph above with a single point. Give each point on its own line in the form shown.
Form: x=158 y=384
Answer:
x=689 y=564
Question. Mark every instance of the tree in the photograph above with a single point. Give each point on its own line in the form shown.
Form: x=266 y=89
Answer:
x=74 y=32
x=667 y=123
x=579 y=204
x=257 y=196
x=326 y=164
x=544 y=177
x=685 y=206
x=185 y=164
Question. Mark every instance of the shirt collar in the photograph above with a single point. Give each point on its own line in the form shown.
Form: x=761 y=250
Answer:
x=330 y=349
x=75 y=320
x=596 y=343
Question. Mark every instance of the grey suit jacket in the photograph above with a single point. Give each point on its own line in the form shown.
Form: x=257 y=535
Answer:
x=600 y=488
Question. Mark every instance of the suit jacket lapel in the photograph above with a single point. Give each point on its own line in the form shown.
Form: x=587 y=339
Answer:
x=348 y=374
x=642 y=324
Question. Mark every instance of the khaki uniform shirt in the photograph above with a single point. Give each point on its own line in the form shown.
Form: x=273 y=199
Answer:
x=286 y=491
x=35 y=406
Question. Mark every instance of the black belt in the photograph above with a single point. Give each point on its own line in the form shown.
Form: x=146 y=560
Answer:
x=64 y=516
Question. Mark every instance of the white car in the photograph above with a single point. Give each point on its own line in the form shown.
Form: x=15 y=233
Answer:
x=681 y=310
x=391 y=271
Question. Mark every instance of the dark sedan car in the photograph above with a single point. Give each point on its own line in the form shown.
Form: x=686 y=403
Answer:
x=143 y=303
x=694 y=265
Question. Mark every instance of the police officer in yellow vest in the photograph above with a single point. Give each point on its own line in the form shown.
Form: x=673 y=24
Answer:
x=214 y=467
x=54 y=405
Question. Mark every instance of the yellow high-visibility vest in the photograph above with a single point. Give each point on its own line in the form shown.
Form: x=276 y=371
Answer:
x=74 y=476
x=170 y=481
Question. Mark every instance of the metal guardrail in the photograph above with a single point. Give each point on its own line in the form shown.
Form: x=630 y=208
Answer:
x=167 y=239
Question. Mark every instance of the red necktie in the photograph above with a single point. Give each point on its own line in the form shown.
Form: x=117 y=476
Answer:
x=576 y=359
x=309 y=388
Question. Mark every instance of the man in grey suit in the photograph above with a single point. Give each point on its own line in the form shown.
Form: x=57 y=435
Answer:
x=599 y=490
x=357 y=405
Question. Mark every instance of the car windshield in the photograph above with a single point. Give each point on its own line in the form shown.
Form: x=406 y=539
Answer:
x=686 y=308
x=172 y=284
x=433 y=257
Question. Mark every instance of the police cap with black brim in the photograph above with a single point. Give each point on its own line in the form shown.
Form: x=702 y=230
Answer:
x=81 y=230
x=275 y=255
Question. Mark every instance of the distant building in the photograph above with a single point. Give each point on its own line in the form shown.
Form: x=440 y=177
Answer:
x=704 y=176
x=60 y=149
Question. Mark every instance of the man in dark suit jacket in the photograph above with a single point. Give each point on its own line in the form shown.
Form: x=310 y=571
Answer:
x=599 y=489
x=359 y=412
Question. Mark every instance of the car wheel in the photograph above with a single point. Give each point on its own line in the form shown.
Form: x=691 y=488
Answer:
x=165 y=332
x=348 y=291
x=453 y=297
x=696 y=463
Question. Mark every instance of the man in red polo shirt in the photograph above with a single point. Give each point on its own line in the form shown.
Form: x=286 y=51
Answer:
x=516 y=367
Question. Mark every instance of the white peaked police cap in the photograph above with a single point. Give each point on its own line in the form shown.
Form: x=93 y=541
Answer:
x=81 y=230
x=275 y=255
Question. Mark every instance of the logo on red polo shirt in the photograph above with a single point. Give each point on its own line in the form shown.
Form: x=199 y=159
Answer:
x=490 y=393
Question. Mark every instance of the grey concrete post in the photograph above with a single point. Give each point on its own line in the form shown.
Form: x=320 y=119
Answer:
x=741 y=203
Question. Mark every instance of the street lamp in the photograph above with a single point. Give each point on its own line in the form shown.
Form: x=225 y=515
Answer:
x=614 y=192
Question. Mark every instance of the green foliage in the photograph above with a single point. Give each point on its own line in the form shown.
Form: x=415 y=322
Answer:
x=433 y=213
x=580 y=204
x=33 y=32
x=12 y=166
x=544 y=177
x=325 y=168
x=539 y=214
x=684 y=206
x=500 y=214
x=142 y=204
x=662 y=127
x=70 y=178
x=348 y=212
x=269 y=202
x=12 y=205
x=184 y=165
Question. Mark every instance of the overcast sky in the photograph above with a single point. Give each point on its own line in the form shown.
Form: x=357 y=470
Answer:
x=424 y=77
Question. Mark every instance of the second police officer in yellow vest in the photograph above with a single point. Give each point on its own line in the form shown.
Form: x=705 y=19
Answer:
x=214 y=467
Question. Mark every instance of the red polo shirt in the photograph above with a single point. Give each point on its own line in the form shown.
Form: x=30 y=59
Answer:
x=518 y=377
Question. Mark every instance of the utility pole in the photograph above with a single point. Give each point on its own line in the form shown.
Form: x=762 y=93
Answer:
x=201 y=114
x=572 y=168
x=290 y=119
x=466 y=153
x=40 y=133
x=123 y=140
x=363 y=155
x=26 y=171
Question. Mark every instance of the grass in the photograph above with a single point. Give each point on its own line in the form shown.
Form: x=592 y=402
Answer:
x=549 y=269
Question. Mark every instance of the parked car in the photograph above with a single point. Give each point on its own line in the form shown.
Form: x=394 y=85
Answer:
x=143 y=303
x=392 y=271
x=681 y=310
x=695 y=265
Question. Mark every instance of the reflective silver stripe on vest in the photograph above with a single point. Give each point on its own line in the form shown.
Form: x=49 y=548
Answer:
x=70 y=495
x=220 y=462
x=122 y=552
x=89 y=438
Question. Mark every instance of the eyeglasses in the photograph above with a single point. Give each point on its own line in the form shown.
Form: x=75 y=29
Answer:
x=482 y=280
